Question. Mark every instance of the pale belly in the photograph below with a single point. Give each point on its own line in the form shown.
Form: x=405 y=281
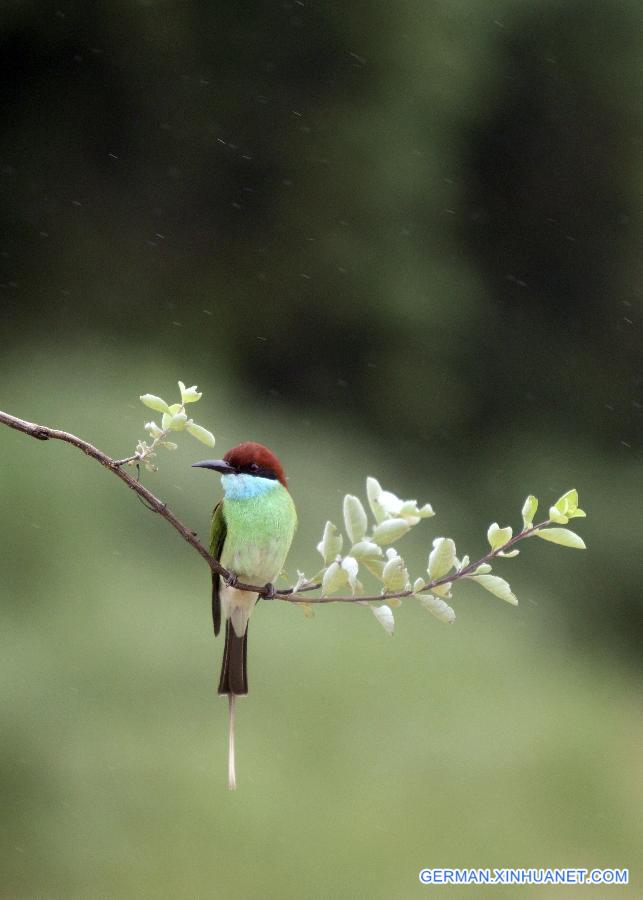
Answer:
x=254 y=564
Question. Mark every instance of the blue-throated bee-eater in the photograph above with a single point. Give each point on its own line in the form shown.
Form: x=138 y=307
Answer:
x=252 y=530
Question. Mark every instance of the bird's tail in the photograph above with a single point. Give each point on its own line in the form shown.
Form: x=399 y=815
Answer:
x=233 y=681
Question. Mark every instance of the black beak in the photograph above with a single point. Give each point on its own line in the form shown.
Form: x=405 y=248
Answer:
x=219 y=465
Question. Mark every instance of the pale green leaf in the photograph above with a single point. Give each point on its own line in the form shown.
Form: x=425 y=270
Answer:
x=366 y=550
x=351 y=567
x=498 y=536
x=391 y=502
x=438 y=608
x=395 y=576
x=529 y=509
x=153 y=429
x=201 y=434
x=404 y=509
x=442 y=557
x=567 y=508
x=178 y=422
x=555 y=515
x=497 y=586
x=509 y=554
x=562 y=536
x=384 y=616
x=155 y=403
x=189 y=395
x=330 y=545
x=354 y=518
x=482 y=569
x=374 y=566
x=373 y=491
x=418 y=584
x=411 y=511
x=569 y=500
x=389 y=531
x=334 y=578
x=386 y=504
x=442 y=590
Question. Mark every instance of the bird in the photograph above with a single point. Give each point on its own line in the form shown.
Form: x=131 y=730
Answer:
x=252 y=529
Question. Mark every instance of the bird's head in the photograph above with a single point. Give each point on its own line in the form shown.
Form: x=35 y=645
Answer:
x=248 y=459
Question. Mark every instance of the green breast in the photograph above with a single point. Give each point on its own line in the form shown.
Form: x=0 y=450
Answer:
x=259 y=534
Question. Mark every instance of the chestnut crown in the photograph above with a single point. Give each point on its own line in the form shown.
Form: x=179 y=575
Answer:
x=255 y=459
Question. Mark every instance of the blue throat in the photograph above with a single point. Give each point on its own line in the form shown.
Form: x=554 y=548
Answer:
x=245 y=487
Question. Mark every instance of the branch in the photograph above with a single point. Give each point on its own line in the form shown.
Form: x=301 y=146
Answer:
x=428 y=586
x=43 y=433
x=292 y=594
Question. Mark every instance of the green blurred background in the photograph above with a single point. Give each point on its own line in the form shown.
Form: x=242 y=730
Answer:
x=391 y=239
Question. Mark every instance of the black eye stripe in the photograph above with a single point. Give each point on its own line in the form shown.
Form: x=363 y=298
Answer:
x=258 y=471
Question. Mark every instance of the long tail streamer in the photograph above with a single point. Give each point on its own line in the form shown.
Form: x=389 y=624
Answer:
x=232 y=775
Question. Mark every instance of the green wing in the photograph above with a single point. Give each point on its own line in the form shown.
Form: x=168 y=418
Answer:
x=218 y=533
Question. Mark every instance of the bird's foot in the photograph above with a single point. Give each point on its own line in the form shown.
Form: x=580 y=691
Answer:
x=232 y=580
x=269 y=589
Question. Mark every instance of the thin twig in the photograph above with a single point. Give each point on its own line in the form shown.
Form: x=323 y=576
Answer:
x=128 y=459
x=291 y=594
